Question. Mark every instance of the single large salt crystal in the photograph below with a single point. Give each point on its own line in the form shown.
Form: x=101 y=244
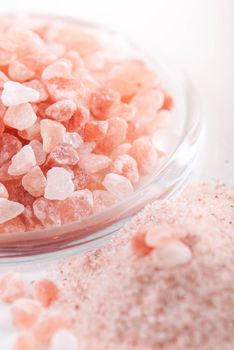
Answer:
x=147 y=103
x=9 y=210
x=81 y=179
x=3 y=191
x=20 y=117
x=118 y=185
x=25 y=313
x=53 y=133
x=130 y=76
x=39 y=152
x=127 y=166
x=45 y=291
x=102 y=200
x=101 y=102
x=79 y=119
x=145 y=154
x=34 y=182
x=19 y=71
x=22 y=162
x=61 y=111
x=173 y=254
x=59 y=184
x=15 y=94
x=9 y=145
x=73 y=139
x=22 y=41
x=59 y=69
x=93 y=163
x=12 y=287
x=116 y=134
x=95 y=130
x=63 y=154
x=120 y=150
x=46 y=212
x=63 y=340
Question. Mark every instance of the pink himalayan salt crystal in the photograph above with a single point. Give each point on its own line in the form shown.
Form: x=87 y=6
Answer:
x=102 y=200
x=116 y=134
x=59 y=69
x=9 y=210
x=26 y=341
x=32 y=133
x=52 y=133
x=64 y=339
x=19 y=72
x=147 y=103
x=14 y=225
x=25 y=313
x=12 y=287
x=22 y=162
x=139 y=243
x=93 y=163
x=86 y=148
x=20 y=117
x=81 y=179
x=45 y=292
x=9 y=145
x=95 y=130
x=101 y=102
x=31 y=222
x=61 y=111
x=76 y=207
x=127 y=166
x=59 y=184
x=123 y=110
x=79 y=119
x=22 y=41
x=145 y=154
x=130 y=76
x=62 y=155
x=172 y=254
x=3 y=191
x=48 y=325
x=121 y=150
x=34 y=182
x=14 y=94
x=39 y=87
x=118 y=185
x=73 y=139
x=46 y=212
x=40 y=154
x=66 y=88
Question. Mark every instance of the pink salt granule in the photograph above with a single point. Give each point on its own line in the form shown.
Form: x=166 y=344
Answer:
x=12 y=287
x=45 y=291
x=77 y=113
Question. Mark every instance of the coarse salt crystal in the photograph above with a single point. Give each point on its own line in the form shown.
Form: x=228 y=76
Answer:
x=34 y=182
x=45 y=291
x=73 y=139
x=9 y=210
x=118 y=185
x=59 y=184
x=52 y=133
x=25 y=313
x=22 y=162
x=20 y=117
x=15 y=94
x=173 y=254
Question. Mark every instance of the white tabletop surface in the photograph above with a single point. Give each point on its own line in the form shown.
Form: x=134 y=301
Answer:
x=195 y=35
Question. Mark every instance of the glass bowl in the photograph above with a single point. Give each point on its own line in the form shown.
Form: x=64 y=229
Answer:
x=166 y=181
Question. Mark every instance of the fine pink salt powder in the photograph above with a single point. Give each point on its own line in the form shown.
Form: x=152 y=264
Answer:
x=74 y=116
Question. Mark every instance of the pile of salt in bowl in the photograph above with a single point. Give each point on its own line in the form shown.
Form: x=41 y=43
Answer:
x=166 y=281
x=81 y=123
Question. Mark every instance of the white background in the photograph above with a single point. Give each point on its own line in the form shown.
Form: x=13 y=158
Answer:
x=195 y=35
